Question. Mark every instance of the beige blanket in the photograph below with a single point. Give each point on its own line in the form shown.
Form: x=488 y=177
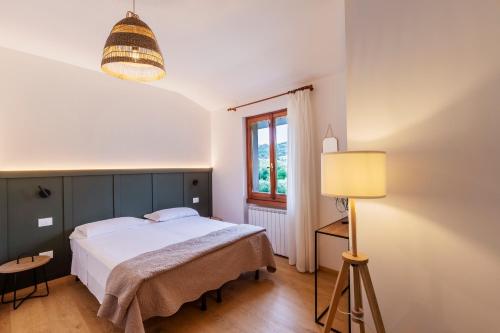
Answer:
x=157 y=283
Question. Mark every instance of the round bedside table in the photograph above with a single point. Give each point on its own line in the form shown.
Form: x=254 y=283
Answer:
x=12 y=268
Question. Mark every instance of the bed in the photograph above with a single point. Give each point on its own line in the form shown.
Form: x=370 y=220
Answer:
x=148 y=269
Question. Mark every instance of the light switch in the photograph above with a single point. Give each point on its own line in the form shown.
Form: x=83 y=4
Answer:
x=47 y=253
x=196 y=200
x=45 y=222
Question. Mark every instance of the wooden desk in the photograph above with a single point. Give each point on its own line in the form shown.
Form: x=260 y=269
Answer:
x=339 y=229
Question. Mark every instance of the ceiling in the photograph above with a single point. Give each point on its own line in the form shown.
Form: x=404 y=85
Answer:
x=217 y=52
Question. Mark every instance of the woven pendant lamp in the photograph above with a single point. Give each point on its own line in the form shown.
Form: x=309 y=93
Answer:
x=132 y=52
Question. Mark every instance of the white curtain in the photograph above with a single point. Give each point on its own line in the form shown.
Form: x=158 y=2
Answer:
x=302 y=191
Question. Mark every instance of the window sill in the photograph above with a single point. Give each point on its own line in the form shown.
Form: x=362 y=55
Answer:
x=267 y=203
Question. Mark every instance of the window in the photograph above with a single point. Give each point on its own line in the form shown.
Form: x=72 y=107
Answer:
x=267 y=152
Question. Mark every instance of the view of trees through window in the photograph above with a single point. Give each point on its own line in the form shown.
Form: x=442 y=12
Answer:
x=268 y=163
x=281 y=152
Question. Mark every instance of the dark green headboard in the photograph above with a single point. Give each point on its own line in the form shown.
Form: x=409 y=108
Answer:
x=78 y=197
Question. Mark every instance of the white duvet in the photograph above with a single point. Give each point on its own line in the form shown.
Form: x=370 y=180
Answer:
x=95 y=257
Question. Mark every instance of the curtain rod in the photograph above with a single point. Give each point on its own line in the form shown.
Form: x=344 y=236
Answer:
x=310 y=87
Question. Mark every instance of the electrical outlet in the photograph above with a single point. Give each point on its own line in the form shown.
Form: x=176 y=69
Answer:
x=196 y=200
x=45 y=222
x=47 y=253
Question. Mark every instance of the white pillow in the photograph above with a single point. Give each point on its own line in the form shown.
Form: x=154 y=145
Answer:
x=171 y=214
x=93 y=229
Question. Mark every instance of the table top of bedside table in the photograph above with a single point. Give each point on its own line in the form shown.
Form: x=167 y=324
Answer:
x=25 y=264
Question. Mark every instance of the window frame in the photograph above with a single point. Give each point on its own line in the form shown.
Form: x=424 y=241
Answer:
x=271 y=199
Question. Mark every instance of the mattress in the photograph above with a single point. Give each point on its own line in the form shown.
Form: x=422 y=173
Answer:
x=94 y=258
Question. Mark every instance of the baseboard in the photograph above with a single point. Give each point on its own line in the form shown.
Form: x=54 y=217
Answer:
x=329 y=270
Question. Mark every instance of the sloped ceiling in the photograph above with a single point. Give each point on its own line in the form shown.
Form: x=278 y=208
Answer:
x=217 y=52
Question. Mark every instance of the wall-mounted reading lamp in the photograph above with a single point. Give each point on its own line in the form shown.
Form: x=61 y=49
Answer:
x=44 y=192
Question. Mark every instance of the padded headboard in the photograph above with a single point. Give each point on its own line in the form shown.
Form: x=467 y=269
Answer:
x=78 y=197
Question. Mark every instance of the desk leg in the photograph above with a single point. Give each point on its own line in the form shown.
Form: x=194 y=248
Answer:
x=316 y=319
x=35 y=282
x=203 y=306
x=45 y=277
x=15 y=291
x=219 y=295
x=4 y=289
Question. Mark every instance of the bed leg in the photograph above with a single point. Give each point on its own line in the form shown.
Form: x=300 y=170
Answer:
x=203 y=306
x=257 y=275
x=219 y=295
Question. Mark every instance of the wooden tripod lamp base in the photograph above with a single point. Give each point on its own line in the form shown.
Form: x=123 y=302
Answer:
x=359 y=265
x=354 y=174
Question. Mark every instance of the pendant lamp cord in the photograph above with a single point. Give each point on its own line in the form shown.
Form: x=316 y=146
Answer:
x=132 y=12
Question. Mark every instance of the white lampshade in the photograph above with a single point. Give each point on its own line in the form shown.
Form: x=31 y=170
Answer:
x=353 y=174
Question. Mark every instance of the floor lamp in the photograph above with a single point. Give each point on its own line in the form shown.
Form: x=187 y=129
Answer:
x=354 y=174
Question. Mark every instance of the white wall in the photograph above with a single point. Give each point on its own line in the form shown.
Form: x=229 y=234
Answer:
x=228 y=149
x=423 y=84
x=329 y=107
x=58 y=116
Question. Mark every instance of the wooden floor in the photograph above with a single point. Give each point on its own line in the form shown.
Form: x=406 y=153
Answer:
x=280 y=302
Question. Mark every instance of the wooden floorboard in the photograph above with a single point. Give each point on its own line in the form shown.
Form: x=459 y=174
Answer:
x=279 y=302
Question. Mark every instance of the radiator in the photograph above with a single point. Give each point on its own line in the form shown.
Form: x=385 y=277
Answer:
x=274 y=220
